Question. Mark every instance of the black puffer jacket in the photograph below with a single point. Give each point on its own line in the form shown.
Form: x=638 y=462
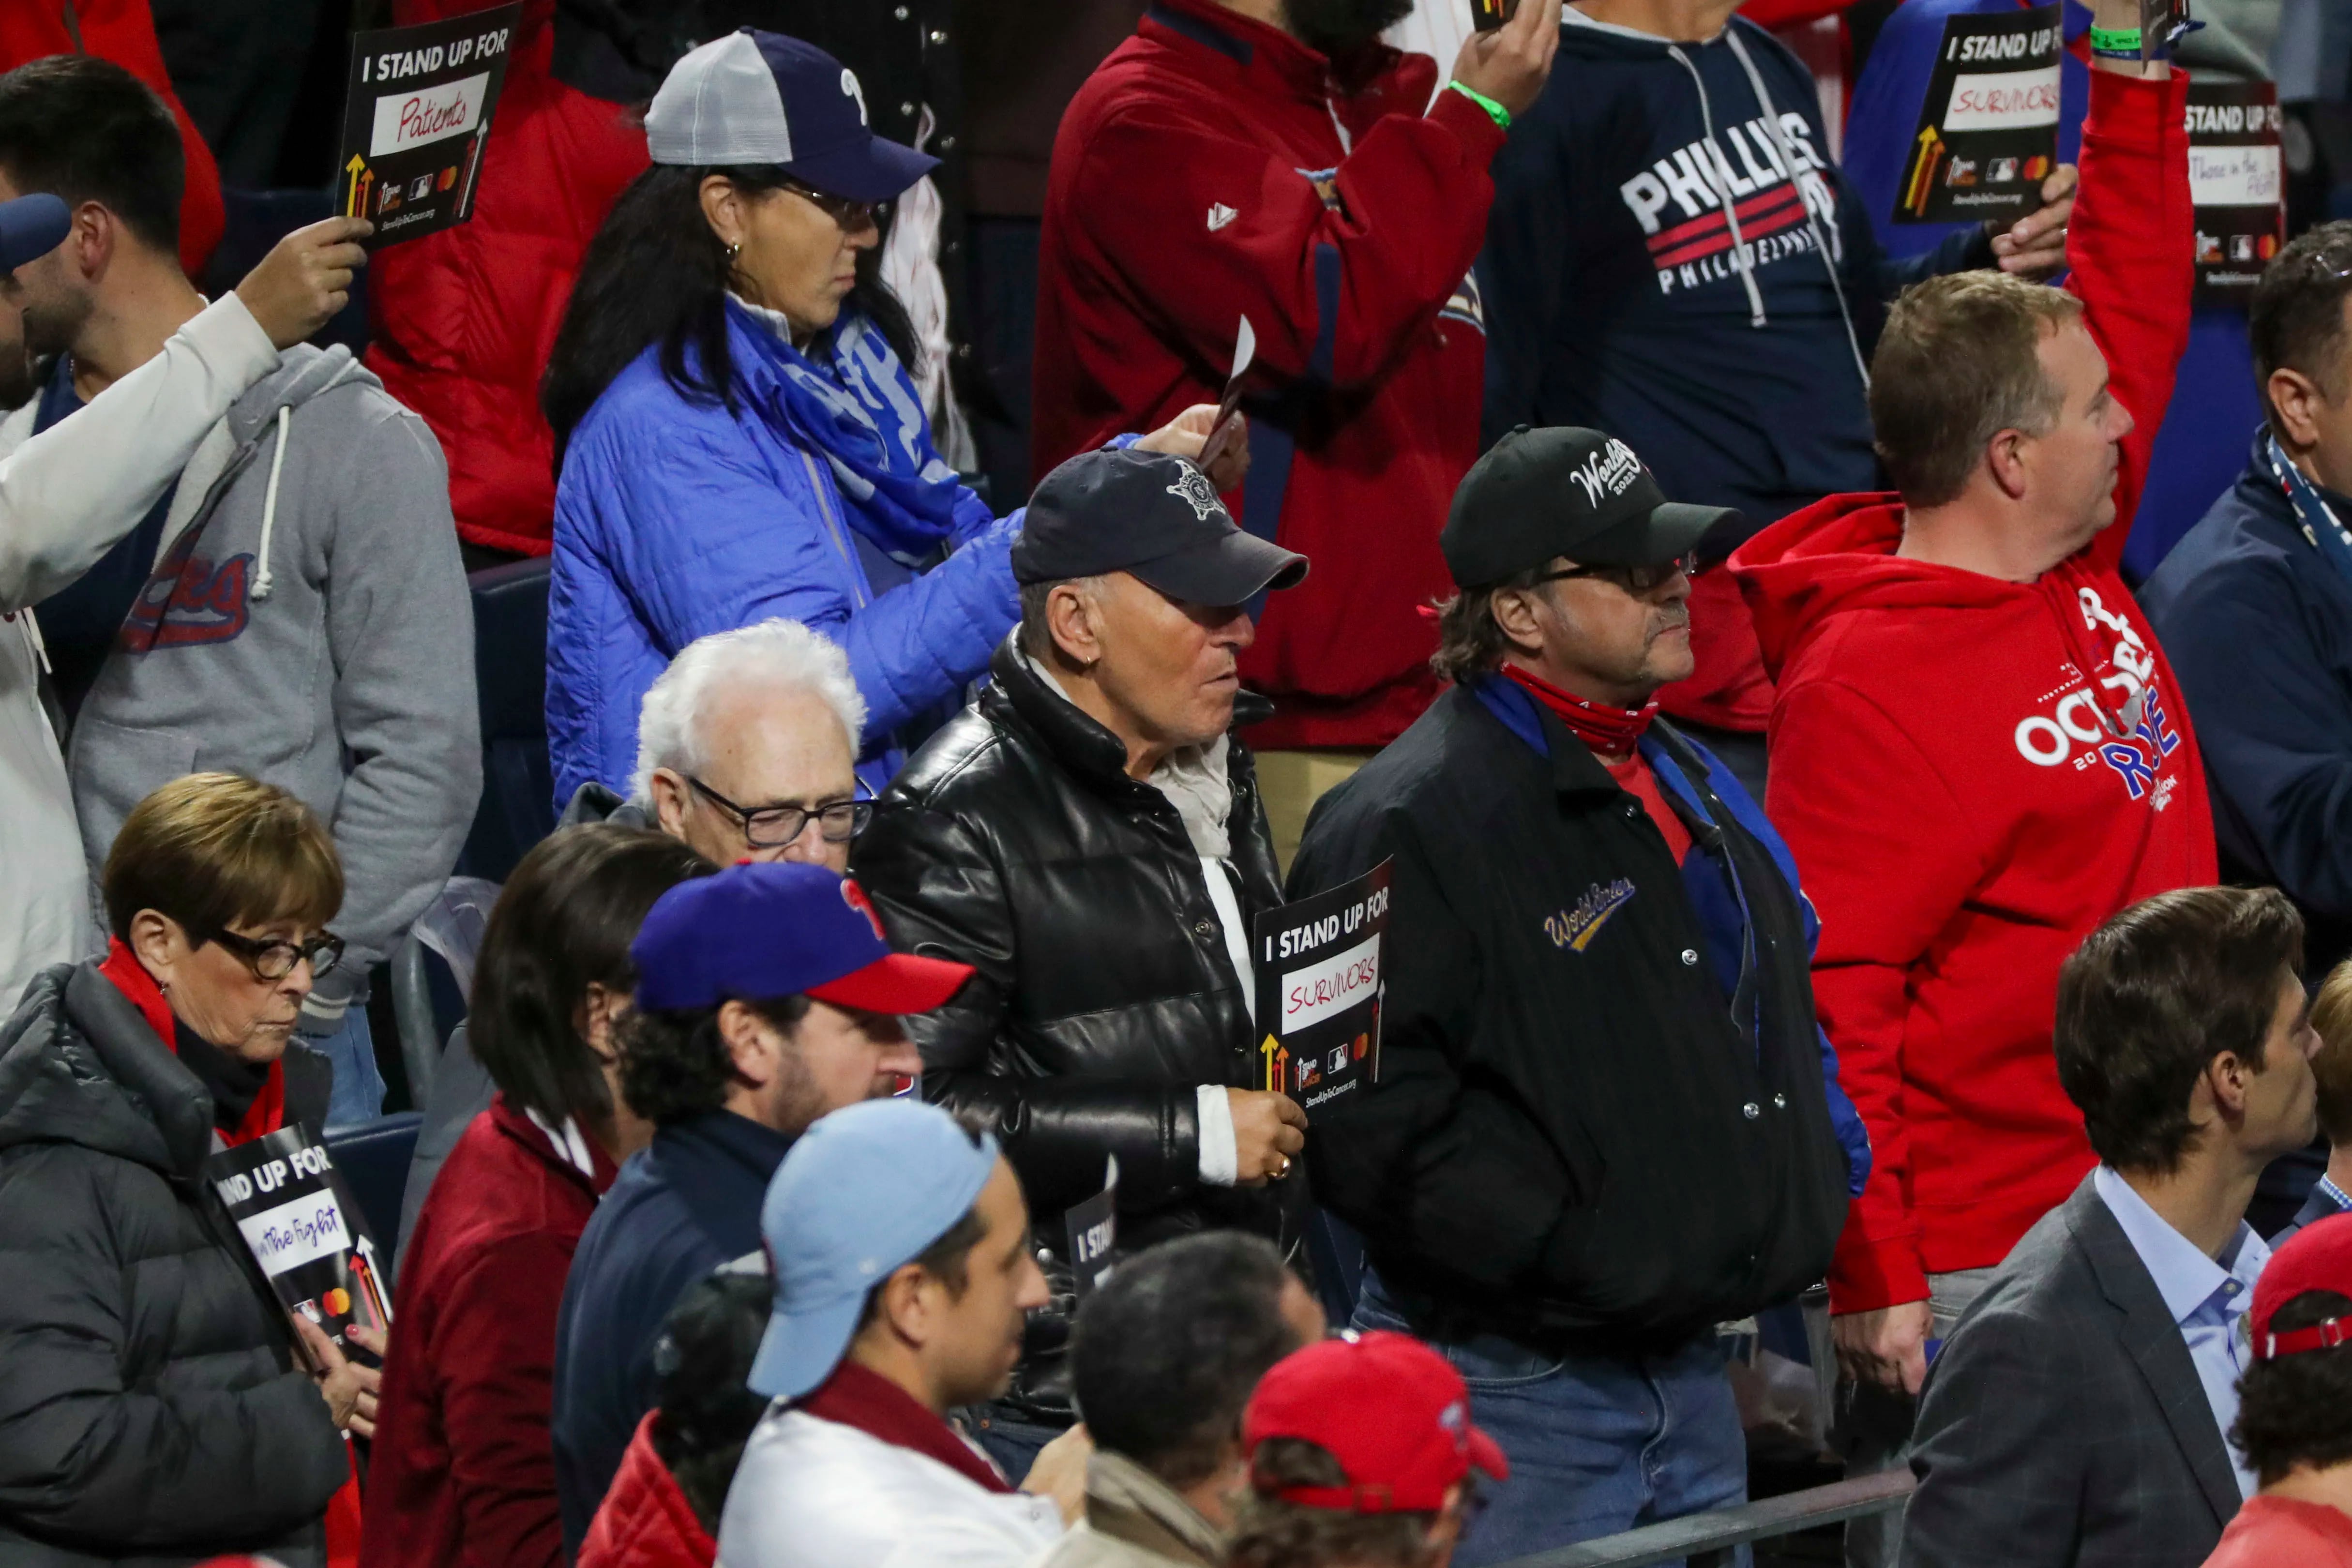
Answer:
x=1015 y=842
x=151 y=1410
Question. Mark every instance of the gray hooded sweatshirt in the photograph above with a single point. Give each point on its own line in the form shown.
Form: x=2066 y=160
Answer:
x=308 y=624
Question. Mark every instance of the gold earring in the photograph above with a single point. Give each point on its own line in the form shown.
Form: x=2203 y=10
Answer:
x=733 y=251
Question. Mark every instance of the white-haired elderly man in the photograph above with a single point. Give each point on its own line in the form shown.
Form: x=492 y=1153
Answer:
x=746 y=747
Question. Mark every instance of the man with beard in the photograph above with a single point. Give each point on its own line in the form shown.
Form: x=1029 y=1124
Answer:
x=1271 y=159
x=69 y=495
x=1605 y=1120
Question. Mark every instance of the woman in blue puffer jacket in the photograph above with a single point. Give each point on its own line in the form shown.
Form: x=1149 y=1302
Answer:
x=738 y=431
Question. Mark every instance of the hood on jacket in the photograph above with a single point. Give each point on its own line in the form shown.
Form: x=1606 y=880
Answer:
x=1838 y=555
x=80 y=1065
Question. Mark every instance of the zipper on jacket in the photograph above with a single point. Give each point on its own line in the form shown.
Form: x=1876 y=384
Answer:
x=817 y=483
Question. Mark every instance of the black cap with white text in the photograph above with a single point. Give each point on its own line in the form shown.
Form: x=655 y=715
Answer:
x=1564 y=492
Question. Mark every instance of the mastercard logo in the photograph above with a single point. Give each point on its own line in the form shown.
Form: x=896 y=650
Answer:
x=337 y=1301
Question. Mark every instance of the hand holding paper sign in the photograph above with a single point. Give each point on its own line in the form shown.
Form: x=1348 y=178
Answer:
x=1269 y=1129
x=1230 y=428
x=305 y=279
x=1186 y=435
x=2034 y=247
x=1510 y=63
x=348 y=1389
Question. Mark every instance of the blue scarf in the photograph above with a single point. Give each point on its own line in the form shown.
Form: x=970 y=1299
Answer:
x=2317 y=519
x=858 y=407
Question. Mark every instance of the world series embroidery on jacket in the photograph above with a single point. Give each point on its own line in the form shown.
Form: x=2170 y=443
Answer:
x=1681 y=201
x=1574 y=929
x=2136 y=748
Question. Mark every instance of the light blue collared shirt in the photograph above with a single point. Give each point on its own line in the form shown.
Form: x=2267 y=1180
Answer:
x=2207 y=1298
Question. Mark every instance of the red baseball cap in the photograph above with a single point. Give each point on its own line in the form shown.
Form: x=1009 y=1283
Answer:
x=2316 y=1258
x=1393 y=1412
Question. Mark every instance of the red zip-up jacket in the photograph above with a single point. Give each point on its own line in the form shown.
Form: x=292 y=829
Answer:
x=1939 y=769
x=464 y=1473
x=1214 y=168
x=645 y=1521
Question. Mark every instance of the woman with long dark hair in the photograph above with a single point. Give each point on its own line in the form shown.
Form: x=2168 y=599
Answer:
x=739 y=431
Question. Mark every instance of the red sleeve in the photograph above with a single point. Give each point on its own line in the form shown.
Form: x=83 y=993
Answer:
x=1852 y=796
x=1335 y=288
x=499 y=1321
x=2132 y=246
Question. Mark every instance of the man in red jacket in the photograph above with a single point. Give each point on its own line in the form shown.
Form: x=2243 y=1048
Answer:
x=1271 y=159
x=1977 y=751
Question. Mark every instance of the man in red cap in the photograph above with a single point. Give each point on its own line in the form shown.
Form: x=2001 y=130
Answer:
x=1360 y=1452
x=2294 y=1409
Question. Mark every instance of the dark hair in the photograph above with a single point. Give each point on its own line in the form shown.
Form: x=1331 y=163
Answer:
x=674 y=1063
x=563 y=922
x=702 y=1363
x=1470 y=641
x=655 y=275
x=2298 y=1408
x=1167 y=1351
x=1271 y=1533
x=2151 y=998
x=2296 y=320
x=84 y=129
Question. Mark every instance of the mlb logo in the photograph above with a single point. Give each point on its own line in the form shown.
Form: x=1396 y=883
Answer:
x=1338 y=1059
x=420 y=187
x=2241 y=247
x=2001 y=170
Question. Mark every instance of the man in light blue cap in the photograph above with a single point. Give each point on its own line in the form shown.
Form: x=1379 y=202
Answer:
x=899 y=1243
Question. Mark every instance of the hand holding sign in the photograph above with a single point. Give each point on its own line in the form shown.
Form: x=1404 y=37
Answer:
x=1269 y=1129
x=349 y=1389
x=1510 y=63
x=2034 y=247
x=1231 y=429
x=305 y=279
x=1187 y=435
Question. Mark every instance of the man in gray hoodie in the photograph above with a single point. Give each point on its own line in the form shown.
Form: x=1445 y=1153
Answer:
x=294 y=607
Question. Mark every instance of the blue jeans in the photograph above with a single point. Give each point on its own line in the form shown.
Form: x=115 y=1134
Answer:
x=1012 y=1443
x=358 y=1094
x=1598 y=1444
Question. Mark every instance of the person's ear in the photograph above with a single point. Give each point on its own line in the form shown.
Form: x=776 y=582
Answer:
x=93 y=239
x=2296 y=402
x=600 y=1011
x=1514 y=613
x=748 y=1043
x=668 y=789
x=907 y=1304
x=1074 y=618
x=2008 y=458
x=724 y=208
x=159 y=944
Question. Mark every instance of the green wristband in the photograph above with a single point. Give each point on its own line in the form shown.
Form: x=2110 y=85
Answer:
x=1502 y=116
x=2116 y=43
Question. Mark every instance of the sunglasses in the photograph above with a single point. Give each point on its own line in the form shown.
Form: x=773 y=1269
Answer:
x=850 y=217
x=1639 y=581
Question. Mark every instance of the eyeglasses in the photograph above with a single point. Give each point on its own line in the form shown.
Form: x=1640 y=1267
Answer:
x=1639 y=581
x=276 y=960
x=774 y=826
x=850 y=216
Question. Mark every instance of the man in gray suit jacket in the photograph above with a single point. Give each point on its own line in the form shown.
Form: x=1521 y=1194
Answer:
x=2075 y=1416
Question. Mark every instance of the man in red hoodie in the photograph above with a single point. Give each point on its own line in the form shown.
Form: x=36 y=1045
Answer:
x=1977 y=751
x=1272 y=160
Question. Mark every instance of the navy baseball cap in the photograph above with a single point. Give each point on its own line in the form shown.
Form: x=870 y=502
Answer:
x=1152 y=515
x=764 y=930
x=863 y=1192
x=762 y=97
x=30 y=227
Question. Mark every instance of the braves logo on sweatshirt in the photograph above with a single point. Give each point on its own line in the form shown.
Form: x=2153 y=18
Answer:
x=189 y=601
x=1689 y=202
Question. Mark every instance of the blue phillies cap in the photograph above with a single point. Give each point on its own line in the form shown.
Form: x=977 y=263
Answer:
x=863 y=1192
x=762 y=97
x=30 y=227
x=759 y=930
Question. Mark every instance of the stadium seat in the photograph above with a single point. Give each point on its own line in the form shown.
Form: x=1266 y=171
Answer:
x=510 y=673
x=373 y=1159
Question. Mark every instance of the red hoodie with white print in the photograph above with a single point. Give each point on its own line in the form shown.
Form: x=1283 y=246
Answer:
x=1974 y=773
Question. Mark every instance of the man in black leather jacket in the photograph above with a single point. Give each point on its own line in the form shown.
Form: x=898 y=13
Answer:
x=1088 y=836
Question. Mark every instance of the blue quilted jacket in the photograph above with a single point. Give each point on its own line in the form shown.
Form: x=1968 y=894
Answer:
x=675 y=519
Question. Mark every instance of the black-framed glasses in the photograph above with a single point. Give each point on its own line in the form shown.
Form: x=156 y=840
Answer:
x=275 y=960
x=850 y=216
x=774 y=826
x=1639 y=581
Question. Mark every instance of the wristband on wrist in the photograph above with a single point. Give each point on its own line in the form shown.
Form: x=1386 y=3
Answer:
x=1501 y=116
x=2116 y=43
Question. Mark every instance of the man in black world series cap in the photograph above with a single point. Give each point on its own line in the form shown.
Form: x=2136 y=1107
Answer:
x=1606 y=1120
x=1088 y=836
